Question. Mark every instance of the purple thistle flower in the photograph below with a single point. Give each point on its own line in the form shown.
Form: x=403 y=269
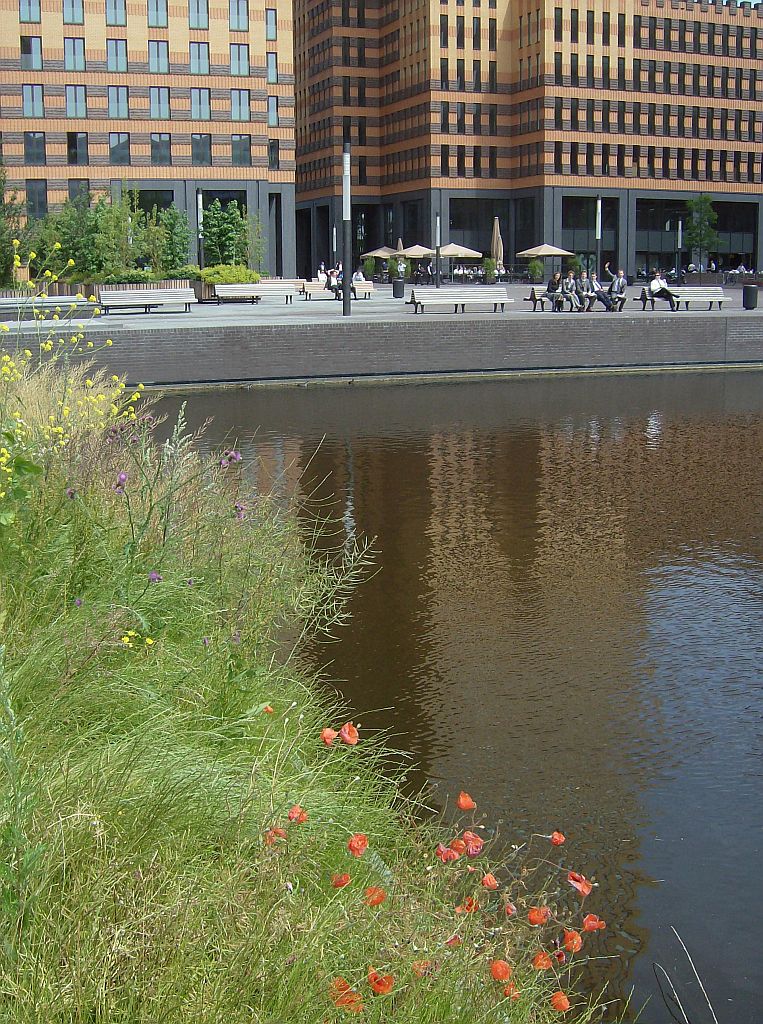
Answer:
x=119 y=486
x=78 y=602
x=190 y=582
x=240 y=510
x=70 y=493
x=224 y=463
x=206 y=641
x=154 y=577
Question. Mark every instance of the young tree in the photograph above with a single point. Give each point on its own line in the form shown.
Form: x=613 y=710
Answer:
x=211 y=231
x=11 y=219
x=75 y=229
x=236 y=235
x=177 y=238
x=154 y=241
x=700 y=233
x=120 y=234
x=258 y=243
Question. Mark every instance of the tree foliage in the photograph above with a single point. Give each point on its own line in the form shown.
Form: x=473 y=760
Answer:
x=700 y=233
x=225 y=233
x=11 y=220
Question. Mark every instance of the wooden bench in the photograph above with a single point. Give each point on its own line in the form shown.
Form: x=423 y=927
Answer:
x=255 y=292
x=685 y=295
x=146 y=298
x=363 y=290
x=430 y=298
x=53 y=302
x=539 y=296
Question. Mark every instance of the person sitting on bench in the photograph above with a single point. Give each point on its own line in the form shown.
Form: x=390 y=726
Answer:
x=600 y=294
x=569 y=291
x=658 y=289
x=554 y=292
x=585 y=292
x=618 y=284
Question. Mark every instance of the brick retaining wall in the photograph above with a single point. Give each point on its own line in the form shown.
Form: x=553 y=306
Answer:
x=358 y=349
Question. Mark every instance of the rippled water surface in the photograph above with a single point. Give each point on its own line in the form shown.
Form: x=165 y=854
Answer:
x=566 y=622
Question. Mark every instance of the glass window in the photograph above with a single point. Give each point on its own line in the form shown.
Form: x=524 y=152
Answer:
x=74 y=54
x=493 y=119
x=158 y=56
x=159 y=102
x=445 y=117
x=492 y=77
x=74 y=12
x=118 y=101
x=492 y=34
x=239 y=58
x=76 y=101
x=29 y=11
x=605 y=28
x=460 y=74
x=199 y=53
x=477 y=119
x=239 y=105
x=461 y=118
x=444 y=73
x=241 y=150
x=78 y=187
x=116 y=55
x=444 y=31
x=119 y=148
x=459 y=32
x=157 y=13
x=476 y=33
x=161 y=149
x=34 y=147
x=444 y=161
x=201 y=150
x=272 y=76
x=271 y=23
x=273 y=111
x=116 y=12
x=239 y=15
x=477 y=161
x=76 y=148
x=198 y=14
x=461 y=161
x=477 y=75
x=36 y=198
x=31 y=53
x=274 y=156
x=200 y=110
x=32 y=101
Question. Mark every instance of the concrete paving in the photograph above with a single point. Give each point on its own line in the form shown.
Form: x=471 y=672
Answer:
x=382 y=308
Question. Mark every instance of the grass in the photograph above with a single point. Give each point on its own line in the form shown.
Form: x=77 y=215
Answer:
x=154 y=730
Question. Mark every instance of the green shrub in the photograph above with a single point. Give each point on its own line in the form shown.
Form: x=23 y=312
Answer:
x=188 y=273
x=130 y=277
x=535 y=270
x=369 y=267
x=226 y=273
x=488 y=265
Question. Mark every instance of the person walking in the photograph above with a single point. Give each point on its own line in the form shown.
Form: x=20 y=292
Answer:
x=600 y=294
x=570 y=292
x=658 y=289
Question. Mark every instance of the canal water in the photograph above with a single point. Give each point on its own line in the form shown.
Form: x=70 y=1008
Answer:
x=566 y=622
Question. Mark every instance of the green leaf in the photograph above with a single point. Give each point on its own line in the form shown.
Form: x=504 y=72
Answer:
x=6 y=518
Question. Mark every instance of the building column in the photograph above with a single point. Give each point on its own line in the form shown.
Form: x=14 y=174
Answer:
x=630 y=237
x=622 y=232
x=288 y=230
x=759 y=239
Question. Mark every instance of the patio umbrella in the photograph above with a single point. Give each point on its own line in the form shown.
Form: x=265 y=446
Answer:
x=399 y=245
x=416 y=252
x=543 y=250
x=459 y=252
x=496 y=243
x=382 y=253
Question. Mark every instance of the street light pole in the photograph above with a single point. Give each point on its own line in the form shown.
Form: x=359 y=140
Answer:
x=679 y=247
x=598 y=235
x=437 y=244
x=346 y=232
x=200 y=226
x=333 y=245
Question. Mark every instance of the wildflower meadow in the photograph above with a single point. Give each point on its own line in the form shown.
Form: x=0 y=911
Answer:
x=191 y=830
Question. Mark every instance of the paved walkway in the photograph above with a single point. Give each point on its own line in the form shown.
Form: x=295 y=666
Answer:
x=382 y=308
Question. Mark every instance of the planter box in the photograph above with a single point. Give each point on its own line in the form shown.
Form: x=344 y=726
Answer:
x=204 y=292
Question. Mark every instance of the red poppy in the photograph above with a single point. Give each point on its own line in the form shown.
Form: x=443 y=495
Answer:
x=453 y=941
x=459 y=846
x=375 y=896
x=340 y=881
x=328 y=736
x=445 y=853
x=557 y=838
x=297 y=814
x=382 y=984
x=348 y=734
x=465 y=802
x=592 y=923
x=357 y=844
x=560 y=956
x=344 y=997
x=580 y=882
x=542 y=961
x=468 y=906
x=267 y=710
x=510 y=909
x=273 y=835
x=422 y=967
x=474 y=844
x=573 y=942
x=560 y=1002
x=490 y=881
x=511 y=991
x=500 y=970
x=538 y=915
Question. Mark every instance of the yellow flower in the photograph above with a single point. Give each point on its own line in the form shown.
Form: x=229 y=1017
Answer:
x=148 y=641
x=32 y=255
x=109 y=342
x=56 y=245
x=16 y=243
x=70 y=263
x=46 y=274
x=4 y=327
x=91 y=298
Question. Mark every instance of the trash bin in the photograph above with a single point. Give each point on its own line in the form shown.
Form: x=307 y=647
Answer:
x=750 y=296
x=398 y=288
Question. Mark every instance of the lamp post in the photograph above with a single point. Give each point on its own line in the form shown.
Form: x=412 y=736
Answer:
x=598 y=235
x=346 y=232
x=679 y=248
x=200 y=226
x=333 y=245
x=437 y=244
